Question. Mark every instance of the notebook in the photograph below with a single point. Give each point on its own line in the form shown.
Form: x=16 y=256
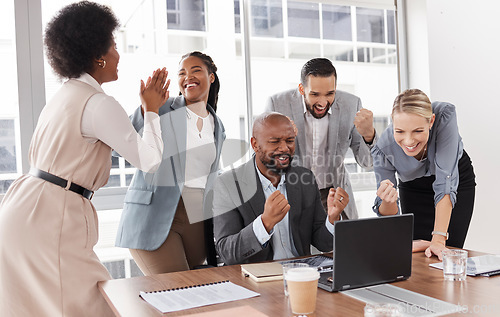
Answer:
x=272 y=271
x=369 y=251
x=262 y=272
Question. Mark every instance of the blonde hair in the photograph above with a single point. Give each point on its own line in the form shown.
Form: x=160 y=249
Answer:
x=413 y=101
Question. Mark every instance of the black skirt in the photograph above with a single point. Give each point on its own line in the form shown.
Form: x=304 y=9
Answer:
x=417 y=197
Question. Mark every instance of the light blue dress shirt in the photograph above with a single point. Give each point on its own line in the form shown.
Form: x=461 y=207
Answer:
x=283 y=246
x=444 y=150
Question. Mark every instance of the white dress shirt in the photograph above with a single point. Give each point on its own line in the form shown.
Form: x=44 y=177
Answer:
x=316 y=154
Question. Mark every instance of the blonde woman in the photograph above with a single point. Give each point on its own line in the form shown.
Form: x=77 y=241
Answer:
x=436 y=180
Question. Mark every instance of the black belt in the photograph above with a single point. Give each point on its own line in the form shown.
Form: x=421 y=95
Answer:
x=62 y=182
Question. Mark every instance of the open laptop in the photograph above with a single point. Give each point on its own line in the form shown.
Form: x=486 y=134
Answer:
x=369 y=251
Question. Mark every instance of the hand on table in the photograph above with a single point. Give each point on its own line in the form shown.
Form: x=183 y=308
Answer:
x=435 y=248
x=420 y=245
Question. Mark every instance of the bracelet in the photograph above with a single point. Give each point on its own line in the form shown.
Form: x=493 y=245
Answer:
x=444 y=234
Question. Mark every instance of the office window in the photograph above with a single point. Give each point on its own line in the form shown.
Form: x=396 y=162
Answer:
x=186 y=15
x=370 y=24
x=9 y=109
x=153 y=34
x=380 y=123
x=237 y=17
x=267 y=18
x=303 y=19
x=8 y=164
x=337 y=22
x=391 y=27
x=327 y=30
x=145 y=42
x=339 y=52
x=8 y=146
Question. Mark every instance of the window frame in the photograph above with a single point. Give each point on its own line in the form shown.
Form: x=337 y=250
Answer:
x=31 y=79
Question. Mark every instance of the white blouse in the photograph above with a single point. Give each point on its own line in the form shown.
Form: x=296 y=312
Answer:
x=200 y=149
x=104 y=119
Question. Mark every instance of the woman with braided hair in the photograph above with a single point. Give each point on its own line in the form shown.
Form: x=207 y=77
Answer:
x=166 y=221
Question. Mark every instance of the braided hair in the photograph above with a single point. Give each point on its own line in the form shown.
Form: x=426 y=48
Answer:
x=213 y=94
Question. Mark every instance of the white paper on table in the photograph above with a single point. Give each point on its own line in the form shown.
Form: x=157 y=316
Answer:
x=478 y=265
x=196 y=296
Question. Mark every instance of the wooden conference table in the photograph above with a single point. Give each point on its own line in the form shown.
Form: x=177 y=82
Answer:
x=479 y=294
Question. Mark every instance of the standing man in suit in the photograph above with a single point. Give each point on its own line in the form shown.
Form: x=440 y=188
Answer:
x=268 y=209
x=329 y=121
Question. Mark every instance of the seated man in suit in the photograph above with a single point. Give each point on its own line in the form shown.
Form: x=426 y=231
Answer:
x=268 y=209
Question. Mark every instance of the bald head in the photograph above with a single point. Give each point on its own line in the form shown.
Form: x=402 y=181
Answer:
x=265 y=119
x=273 y=142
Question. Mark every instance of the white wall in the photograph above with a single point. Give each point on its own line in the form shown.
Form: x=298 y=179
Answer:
x=463 y=49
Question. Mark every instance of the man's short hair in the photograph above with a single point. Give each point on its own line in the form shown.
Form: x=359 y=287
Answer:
x=318 y=67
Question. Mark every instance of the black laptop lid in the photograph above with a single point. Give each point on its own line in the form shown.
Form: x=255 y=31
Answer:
x=372 y=251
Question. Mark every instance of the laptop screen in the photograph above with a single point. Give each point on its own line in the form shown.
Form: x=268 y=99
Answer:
x=372 y=251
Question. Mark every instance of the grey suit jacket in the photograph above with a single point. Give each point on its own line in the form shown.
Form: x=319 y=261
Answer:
x=342 y=135
x=151 y=199
x=235 y=213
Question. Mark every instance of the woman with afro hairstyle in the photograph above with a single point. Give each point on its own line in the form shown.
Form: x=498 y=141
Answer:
x=48 y=225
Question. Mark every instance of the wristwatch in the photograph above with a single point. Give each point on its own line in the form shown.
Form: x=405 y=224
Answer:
x=444 y=234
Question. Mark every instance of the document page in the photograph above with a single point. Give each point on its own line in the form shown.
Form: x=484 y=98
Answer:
x=196 y=296
x=487 y=265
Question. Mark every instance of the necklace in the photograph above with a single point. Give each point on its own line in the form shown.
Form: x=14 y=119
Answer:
x=424 y=154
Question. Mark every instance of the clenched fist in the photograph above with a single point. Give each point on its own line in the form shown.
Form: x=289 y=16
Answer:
x=389 y=195
x=336 y=201
x=363 y=121
x=275 y=209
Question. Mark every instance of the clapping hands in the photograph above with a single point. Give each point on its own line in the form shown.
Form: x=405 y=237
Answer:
x=154 y=93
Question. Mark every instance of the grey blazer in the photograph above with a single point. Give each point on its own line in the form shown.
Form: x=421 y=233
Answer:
x=151 y=199
x=235 y=210
x=342 y=135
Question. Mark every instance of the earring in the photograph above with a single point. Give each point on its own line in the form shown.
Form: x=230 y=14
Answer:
x=102 y=64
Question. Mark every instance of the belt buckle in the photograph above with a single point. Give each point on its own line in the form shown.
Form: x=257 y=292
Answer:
x=91 y=195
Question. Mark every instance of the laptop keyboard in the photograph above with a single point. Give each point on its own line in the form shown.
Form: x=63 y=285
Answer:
x=321 y=260
x=323 y=263
x=326 y=278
